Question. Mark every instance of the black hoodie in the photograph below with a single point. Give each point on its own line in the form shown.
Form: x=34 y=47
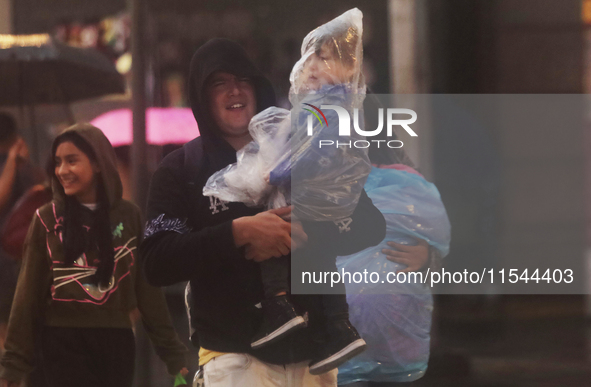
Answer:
x=189 y=236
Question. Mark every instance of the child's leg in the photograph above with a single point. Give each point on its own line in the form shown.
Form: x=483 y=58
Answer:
x=279 y=315
x=334 y=306
x=275 y=276
x=343 y=340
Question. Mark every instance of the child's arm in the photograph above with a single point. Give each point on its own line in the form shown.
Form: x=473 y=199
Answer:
x=281 y=174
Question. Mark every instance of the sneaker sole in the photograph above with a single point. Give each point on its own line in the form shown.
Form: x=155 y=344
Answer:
x=290 y=326
x=345 y=354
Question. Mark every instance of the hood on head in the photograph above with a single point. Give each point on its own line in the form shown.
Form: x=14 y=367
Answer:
x=106 y=159
x=228 y=56
x=343 y=36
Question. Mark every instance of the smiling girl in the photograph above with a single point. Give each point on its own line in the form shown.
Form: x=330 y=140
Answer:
x=80 y=279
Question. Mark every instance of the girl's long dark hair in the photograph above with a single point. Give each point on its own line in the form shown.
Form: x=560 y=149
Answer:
x=76 y=240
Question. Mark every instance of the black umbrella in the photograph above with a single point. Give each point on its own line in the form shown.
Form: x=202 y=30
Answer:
x=37 y=69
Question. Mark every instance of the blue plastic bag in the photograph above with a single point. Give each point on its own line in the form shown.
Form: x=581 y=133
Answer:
x=394 y=318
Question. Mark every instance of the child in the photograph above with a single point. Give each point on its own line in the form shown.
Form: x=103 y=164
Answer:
x=326 y=181
x=80 y=279
x=285 y=166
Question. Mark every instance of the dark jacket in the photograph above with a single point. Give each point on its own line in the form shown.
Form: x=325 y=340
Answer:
x=189 y=236
x=52 y=293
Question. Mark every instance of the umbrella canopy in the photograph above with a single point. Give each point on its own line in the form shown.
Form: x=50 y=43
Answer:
x=163 y=126
x=38 y=69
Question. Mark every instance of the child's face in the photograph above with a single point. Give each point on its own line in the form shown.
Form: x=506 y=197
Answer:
x=325 y=68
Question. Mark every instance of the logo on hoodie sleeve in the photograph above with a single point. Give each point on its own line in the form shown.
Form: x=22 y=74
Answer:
x=161 y=223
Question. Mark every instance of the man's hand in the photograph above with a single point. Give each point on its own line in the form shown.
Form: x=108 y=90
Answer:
x=414 y=257
x=265 y=235
x=299 y=238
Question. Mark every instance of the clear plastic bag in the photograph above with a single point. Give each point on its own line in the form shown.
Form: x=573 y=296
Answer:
x=286 y=164
x=331 y=54
x=246 y=180
x=394 y=318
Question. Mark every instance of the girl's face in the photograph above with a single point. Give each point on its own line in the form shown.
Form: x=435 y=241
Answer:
x=76 y=173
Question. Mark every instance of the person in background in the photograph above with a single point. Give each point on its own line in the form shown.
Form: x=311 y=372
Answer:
x=17 y=176
x=395 y=318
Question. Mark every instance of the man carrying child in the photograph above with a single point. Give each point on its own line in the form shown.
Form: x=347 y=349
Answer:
x=216 y=245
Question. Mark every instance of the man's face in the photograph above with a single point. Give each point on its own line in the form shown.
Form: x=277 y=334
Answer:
x=232 y=103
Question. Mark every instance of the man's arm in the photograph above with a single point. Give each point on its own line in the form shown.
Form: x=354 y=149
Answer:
x=172 y=252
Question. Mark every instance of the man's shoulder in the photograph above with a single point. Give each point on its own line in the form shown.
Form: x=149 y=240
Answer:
x=174 y=159
x=176 y=175
x=189 y=155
